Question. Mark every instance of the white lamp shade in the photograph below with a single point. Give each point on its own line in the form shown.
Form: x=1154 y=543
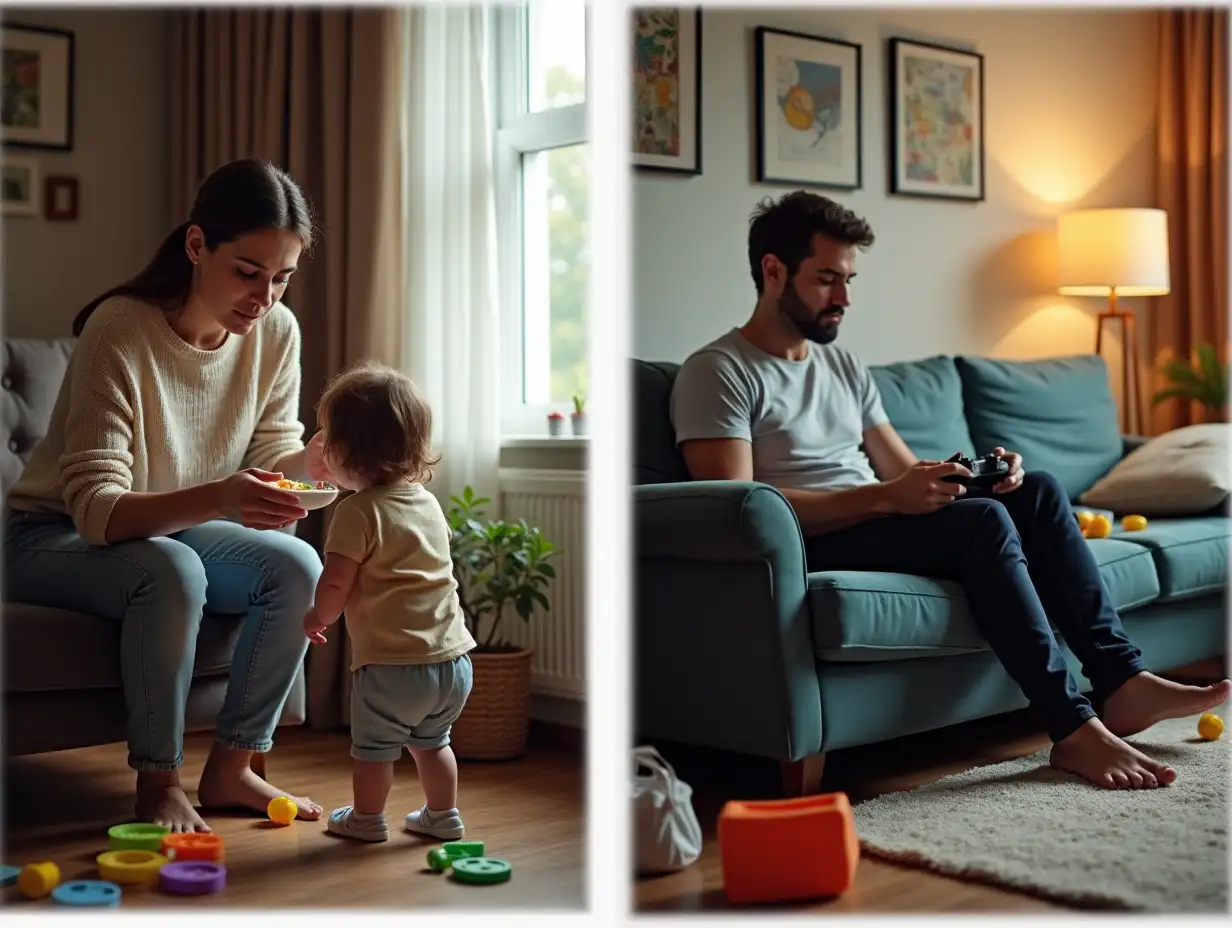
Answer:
x=1103 y=250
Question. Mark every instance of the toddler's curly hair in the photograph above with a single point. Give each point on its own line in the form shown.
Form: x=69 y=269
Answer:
x=377 y=425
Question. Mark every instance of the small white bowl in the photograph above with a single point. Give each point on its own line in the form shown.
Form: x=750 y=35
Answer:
x=316 y=499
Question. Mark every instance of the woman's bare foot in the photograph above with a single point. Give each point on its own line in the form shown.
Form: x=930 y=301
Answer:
x=229 y=782
x=160 y=800
x=1143 y=700
x=1096 y=754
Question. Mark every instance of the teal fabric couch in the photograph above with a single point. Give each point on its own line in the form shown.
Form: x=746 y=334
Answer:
x=739 y=647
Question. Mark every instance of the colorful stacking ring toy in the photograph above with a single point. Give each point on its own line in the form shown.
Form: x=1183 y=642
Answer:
x=130 y=867
x=192 y=878
x=482 y=870
x=94 y=894
x=37 y=880
x=189 y=846
x=137 y=836
x=442 y=858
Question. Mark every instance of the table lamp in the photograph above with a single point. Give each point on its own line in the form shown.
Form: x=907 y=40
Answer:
x=1115 y=253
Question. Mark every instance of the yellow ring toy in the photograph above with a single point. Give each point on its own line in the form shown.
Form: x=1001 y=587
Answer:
x=130 y=867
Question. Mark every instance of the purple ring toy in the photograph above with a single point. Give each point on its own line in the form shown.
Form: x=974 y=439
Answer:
x=192 y=877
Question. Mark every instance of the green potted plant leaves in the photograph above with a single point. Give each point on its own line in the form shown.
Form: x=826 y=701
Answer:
x=499 y=566
x=1205 y=382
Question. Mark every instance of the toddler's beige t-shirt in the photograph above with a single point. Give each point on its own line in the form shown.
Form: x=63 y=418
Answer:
x=404 y=606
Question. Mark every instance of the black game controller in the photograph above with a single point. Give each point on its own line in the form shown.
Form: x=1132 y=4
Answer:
x=987 y=471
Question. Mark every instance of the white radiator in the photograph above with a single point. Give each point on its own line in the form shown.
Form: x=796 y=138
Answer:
x=555 y=501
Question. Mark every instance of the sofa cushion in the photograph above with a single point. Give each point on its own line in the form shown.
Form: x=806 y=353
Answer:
x=54 y=649
x=1057 y=413
x=1191 y=555
x=925 y=404
x=1179 y=473
x=870 y=616
x=29 y=384
x=657 y=459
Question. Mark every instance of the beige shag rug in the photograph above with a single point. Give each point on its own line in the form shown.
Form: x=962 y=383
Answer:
x=1023 y=825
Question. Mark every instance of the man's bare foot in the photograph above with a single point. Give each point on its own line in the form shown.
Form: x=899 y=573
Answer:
x=229 y=782
x=1143 y=700
x=1096 y=754
x=160 y=800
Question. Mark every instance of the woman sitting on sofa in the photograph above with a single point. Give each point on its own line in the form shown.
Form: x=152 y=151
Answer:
x=149 y=502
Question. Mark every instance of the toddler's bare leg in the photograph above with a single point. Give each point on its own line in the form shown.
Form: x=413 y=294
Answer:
x=372 y=783
x=438 y=774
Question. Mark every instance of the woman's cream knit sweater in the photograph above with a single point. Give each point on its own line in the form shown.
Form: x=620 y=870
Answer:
x=140 y=409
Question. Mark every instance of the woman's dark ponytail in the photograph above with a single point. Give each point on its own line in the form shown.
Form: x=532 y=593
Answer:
x=240 y=197
x=167 y=277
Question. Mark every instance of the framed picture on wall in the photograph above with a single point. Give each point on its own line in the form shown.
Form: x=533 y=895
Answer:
x=19 y=186
x=808 y=110
x=667 y=89
x=936 y=121
x=36 y=109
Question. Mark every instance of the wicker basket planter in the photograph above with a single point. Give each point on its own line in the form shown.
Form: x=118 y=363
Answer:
x=494 y=723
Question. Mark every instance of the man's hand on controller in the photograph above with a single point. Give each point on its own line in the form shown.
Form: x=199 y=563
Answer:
x=921 y=489
x=1013 y=480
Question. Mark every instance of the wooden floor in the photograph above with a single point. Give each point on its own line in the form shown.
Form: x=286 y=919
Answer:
x=862 y=773
x=529 y=812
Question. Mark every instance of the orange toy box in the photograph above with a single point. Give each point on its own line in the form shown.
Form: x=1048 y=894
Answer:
x=779 y=850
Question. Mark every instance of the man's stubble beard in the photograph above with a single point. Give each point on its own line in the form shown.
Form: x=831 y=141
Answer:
x=808 y=324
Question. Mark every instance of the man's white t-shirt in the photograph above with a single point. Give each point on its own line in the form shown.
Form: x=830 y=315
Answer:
x=805 y=419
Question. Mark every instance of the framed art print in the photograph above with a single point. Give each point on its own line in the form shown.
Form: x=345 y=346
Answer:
x=937 y=121
x=19 y=186
x=667 y=89
x=36 y=109
x=808 y=110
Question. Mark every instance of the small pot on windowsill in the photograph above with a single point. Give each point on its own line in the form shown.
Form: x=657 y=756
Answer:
x=556 y=425
x=578 y=421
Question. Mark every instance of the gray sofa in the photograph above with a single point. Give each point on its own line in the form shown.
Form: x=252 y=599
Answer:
x=61 y=669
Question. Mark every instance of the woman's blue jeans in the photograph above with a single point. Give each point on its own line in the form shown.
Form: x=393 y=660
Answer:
x=158 y=589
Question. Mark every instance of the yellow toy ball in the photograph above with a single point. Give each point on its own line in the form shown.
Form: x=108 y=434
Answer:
x=1210 y=727
x=1084 y=519
x=1100 y=527
x=282 y=810
x=37 y=880
x=1133 y=523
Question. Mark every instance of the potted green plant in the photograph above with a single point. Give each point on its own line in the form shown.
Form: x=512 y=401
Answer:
x=579 y=415
x=499 y=566
x=1205 y=382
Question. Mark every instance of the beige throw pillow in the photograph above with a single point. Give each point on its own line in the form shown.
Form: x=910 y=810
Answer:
x=1181 y=472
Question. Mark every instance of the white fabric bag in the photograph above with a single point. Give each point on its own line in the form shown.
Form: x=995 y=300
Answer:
x=667 y=836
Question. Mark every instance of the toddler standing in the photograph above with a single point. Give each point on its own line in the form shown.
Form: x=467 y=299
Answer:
x=387 y=564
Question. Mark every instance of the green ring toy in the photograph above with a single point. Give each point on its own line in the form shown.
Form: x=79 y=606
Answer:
x=137 y=836
x=481 y=870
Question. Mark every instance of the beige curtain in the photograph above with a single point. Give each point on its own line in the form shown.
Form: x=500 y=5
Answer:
x=321 y=92
x=1193 y=188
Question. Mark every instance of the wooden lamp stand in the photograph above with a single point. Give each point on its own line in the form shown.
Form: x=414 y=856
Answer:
x=1129 y=360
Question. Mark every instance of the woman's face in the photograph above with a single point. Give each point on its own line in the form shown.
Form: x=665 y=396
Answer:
x=240 y=281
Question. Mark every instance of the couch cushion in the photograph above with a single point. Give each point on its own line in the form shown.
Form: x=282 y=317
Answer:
x=53 y=649
x=1191 y=555
x=870 y=616
x=1057 y=413
x=925 y=404
x=656 y=457
x=29 y=384
x=1182 y=472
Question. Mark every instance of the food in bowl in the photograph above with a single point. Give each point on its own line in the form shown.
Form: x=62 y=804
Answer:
x=310 y=497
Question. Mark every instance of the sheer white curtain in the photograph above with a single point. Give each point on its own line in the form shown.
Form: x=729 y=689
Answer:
x=453 y=331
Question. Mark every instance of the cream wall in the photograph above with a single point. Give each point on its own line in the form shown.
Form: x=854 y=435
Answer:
x=1070 y=121
x=120 y=155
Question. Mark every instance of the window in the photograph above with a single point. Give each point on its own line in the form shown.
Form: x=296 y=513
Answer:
x=542 y=201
